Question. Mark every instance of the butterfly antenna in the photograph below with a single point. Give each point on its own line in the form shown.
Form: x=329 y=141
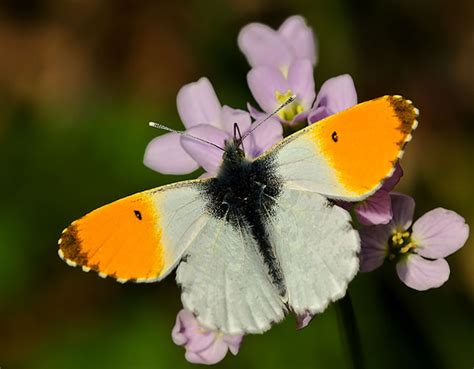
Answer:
x=256 y=125
x=237 y=133
x=183 y=133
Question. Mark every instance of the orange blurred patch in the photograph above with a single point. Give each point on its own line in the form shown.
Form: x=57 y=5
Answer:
x=363 y=143
x=121 y=240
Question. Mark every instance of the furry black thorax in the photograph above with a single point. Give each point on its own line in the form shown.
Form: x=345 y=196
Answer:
x=243 y=188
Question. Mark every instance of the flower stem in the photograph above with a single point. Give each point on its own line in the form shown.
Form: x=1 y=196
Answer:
x=348 y=328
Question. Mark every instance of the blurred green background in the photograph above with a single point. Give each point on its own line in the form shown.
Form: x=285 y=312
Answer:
x=80 y=79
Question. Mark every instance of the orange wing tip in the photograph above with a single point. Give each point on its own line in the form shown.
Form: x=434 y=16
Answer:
x=407 y=114
x=69 y=247
x=73 y=253
x=72 y=263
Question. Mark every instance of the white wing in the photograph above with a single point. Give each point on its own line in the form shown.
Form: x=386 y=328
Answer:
x=224 y=281
x=317 y=248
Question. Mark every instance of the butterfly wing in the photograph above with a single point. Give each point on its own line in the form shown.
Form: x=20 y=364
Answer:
x=141 y=237
x=316 y=246
x=348 y=155
x=345 y=156
x=144 y=236
x=224 y=281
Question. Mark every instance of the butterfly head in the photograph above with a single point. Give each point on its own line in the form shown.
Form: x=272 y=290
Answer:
x=233 y=151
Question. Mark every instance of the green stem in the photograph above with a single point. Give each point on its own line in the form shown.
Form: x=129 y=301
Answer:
x=348 y=328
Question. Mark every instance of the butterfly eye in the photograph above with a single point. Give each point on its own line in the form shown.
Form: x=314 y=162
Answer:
x=138 y=214
x=334 y=136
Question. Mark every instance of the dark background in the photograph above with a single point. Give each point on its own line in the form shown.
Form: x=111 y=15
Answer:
x=80 y=79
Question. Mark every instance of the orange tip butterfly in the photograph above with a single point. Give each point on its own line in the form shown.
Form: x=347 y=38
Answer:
x=263 y=237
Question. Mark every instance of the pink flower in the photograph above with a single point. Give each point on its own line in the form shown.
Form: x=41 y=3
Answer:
x=335 y=95
x=204 y=116
x=271 y=88
x=282 y=64
x=262 y=45
x=303 y=320
x=417 y=250
x=202 y=346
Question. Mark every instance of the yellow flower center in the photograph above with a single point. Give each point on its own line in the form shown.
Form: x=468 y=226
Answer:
x=292 y=110
x=400 y=244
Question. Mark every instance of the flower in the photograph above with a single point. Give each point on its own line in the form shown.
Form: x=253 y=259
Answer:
x=271 y=89
x=202 y=346
x=417 y=250
x=262 y=45
x=282 y=64
x=204 y=117
x=303 y=320
x=335 y=95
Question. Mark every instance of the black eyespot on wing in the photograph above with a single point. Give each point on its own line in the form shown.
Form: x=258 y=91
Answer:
x=334 y=136
x=138 y=214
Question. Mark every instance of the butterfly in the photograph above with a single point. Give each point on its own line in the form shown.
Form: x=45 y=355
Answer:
x=262 y=238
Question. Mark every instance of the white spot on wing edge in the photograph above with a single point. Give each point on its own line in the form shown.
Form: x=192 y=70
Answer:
x=86 y=268
x=102 y=275
x=147 y=280
x=61 y=254
x=121 y=280
x=70 y=262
